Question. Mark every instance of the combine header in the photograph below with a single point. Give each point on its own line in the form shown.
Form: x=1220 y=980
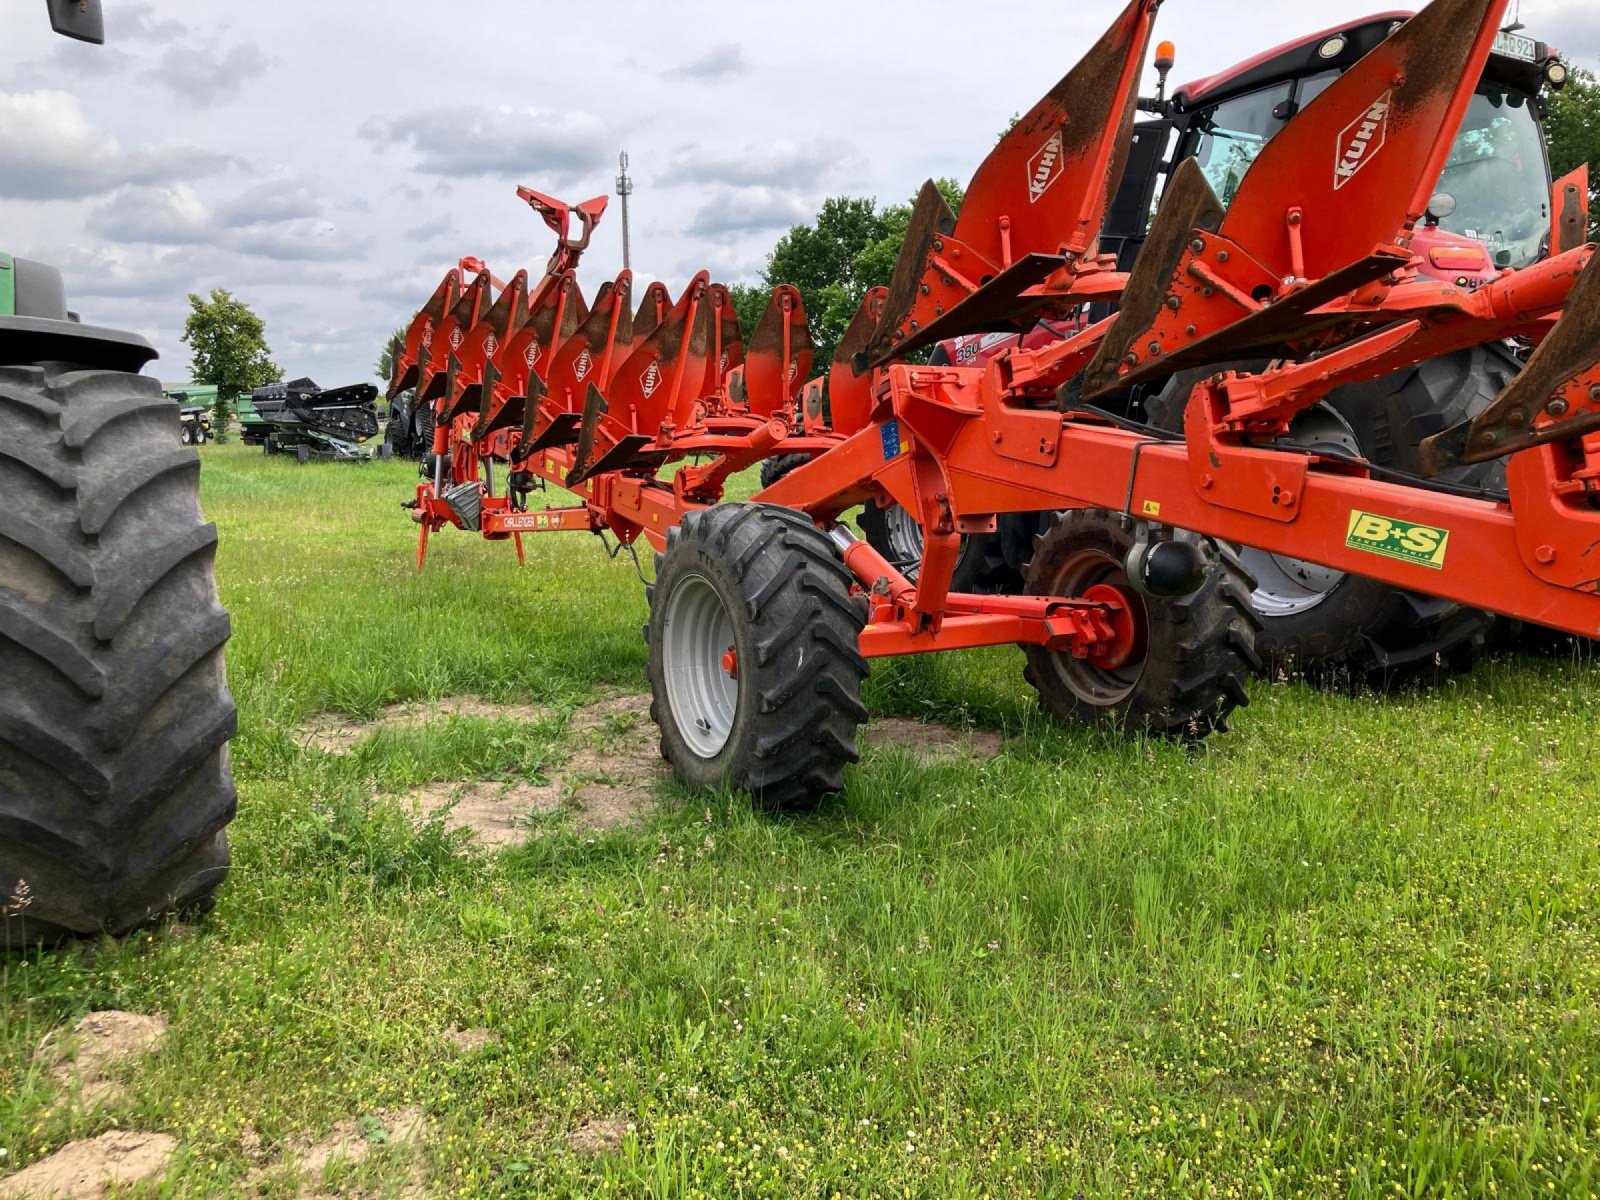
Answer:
x=1135 y=612
x=300 y=418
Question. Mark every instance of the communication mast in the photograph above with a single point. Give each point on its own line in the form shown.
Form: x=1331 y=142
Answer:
x=624 y=189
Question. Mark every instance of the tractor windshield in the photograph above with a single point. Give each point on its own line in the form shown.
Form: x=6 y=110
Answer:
x=1497 y=172
x=1497 y=177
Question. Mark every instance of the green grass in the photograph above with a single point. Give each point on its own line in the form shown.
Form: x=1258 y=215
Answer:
x=1348 y=950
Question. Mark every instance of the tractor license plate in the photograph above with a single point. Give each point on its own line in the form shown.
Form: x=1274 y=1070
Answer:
x=1515 y=45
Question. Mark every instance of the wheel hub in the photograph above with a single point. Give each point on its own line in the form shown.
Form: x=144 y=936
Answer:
x=702 y=667
x=1120 y=610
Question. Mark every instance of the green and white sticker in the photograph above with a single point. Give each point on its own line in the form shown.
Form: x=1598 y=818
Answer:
x=1420 y=545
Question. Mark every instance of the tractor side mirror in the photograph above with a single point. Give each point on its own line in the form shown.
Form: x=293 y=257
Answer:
x=80 y=19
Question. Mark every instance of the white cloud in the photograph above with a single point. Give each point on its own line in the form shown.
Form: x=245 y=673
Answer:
x=51 y=150
x=775 y=164
x=558 y=147
x=750 y=210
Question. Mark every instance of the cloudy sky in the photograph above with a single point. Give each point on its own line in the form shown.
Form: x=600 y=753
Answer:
x=328 y=162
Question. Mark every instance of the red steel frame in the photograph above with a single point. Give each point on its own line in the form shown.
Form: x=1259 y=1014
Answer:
x=1310 y=261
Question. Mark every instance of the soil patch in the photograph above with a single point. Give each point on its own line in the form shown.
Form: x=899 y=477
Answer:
x=349 y=1142
x=608 y=782
x=599 y=1137
x=496 y=814
x=336 y=733
x=86 y=1055
x=85 y=1170
x=928 y=742
x=470 y=1041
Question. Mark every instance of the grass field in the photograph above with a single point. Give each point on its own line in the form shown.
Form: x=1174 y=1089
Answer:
x=1350 y=949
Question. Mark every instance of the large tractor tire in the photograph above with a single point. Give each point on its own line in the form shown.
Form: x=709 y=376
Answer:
x=897 y=535
x=1333 y=626
x=115 y=714
x=1192 y=654
x=774 y=469
x=755 y=665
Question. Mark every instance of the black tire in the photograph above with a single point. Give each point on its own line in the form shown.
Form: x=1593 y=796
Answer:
x=302 y=454
x=981 y=566
x=423 y=423
x=774 y=469
x=115 y=714
x=1345 y=628
x=185 y=435
x=771 y=585
x=1195 y=652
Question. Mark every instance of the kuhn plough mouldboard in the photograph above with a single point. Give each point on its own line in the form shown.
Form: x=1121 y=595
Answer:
x=1135 y=612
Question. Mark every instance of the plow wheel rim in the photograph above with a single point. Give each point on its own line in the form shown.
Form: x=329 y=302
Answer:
x=1287 y=586
x=697 y=635
x=1089 y=573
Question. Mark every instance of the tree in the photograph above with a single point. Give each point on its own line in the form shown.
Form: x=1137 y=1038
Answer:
x=851 y=247
x=1573 y=129
x=749 y=302
x=384 y=367
x=228 y=345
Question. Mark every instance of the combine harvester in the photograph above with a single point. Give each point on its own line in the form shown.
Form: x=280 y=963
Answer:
x=1136 y=612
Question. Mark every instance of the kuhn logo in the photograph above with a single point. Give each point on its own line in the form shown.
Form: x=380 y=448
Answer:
x=1044 y=168
x=491 y=345
x=455 y=339
x=581 y=367
x=651 y=379
x=427 y=336
x=794 y=369
x=722 y=363
x=531 y=354
x=1361 y=140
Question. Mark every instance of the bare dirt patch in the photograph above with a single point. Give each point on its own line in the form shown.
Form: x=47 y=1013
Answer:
x=86 y=1055
x=496 y=814
x=470 y=1041
x=85 y=1170
x=599 y=1137
x=928 y=742
x=336 y=733
x=349 y=1142
x=608 y=782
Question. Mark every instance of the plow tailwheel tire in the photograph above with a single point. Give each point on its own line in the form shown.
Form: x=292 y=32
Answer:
x=755 y=665
x=896 y=534
x=1192 y=654
x=774 y=469
x=114 y=714
x=1342 y=628
x=303 y=454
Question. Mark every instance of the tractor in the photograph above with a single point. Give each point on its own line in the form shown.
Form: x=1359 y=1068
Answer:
x=115 y=715
x=1493 y=212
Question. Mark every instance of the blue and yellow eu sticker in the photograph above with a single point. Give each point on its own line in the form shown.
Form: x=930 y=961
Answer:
x=895 y=443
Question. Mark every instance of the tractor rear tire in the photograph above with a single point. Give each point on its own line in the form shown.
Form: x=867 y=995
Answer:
x=765 y=584
x=1334 y=627
x=1196 y=652
x=980 y=565
x=115 y=714
x=774 y=469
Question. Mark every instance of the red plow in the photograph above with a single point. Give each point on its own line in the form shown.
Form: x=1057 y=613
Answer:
x=763 y=615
